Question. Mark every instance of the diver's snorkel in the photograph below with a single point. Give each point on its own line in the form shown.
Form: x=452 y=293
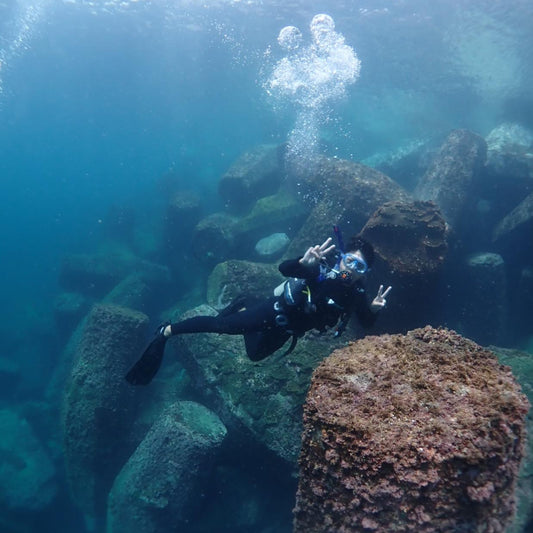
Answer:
x=340 y=242
x=340 y=245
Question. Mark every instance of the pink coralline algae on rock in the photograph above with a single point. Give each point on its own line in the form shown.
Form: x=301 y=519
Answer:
x=419 y=432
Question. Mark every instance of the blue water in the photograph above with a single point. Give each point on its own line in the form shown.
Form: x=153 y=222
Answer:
x=99 y=100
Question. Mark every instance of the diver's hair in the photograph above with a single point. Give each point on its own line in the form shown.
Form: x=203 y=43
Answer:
x=358 y=243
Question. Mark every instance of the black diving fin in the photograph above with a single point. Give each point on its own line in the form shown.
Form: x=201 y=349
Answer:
x=145 y=369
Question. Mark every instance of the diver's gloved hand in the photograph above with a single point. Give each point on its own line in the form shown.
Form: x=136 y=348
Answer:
x=145 y=369
x=379 y=301
x=315 y=254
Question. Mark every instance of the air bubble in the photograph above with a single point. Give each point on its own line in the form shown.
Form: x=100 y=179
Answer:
x=311 y=78
x=290 y=38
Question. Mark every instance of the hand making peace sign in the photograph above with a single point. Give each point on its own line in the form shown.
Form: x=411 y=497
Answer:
x=315 y=254
x=379 y=301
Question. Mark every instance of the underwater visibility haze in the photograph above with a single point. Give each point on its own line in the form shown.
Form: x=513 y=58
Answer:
x=146 y=145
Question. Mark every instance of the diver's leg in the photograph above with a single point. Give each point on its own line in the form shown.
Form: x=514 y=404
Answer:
x=261 y=344
x=260 y=317
x=256 y=318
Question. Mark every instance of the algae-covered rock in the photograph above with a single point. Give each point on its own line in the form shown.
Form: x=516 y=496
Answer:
x=449 y=178
x=344 y=193
x=521 y=364
x=221 y=236
x=254 y=174
x=234 y=278
x=27 y=475
x=159 y=486
x=99 y=406
x=517 y=226
x=272 y=246
x=421 y=432
x=409 y=236
x=509 y=152
x=132 y=292
x=410 y=244
x=213 y=238
x=260 y=400
x=281 y=212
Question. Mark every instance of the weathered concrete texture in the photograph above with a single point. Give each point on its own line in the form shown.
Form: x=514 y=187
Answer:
x=255 y=174
x=159 y=485
x=341 y=192
x=279 y=212
x=99 y=406
x=404 y=164
x=213 y=238
x=410 y=242
x=509 y=152
x=257 y=400
x=132 y=292
x=449 y=179
x=517 y=226
x=28 y=479
x=409 y=236
x=234 y=278
x=423 y=432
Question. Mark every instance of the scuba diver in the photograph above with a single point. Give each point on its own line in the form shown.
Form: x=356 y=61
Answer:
x=318 y=294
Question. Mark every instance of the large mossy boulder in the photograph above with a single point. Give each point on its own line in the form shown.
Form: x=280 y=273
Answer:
x=99 y=406
x=234 y=278
x=222 y=236
x=213 y=238
x=421 y=432
x=516 y=227
x=410 y=244
x=449 y=179
x=409 y=236
x=261 y=400
x=133 y=292
x=509 y=160
x=158 y=488
x=344 y=193
x=256 y=173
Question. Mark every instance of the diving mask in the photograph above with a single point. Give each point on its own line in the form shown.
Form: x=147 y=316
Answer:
x=354 y=263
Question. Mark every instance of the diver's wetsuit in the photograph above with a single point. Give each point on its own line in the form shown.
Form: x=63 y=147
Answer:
x=331 y=299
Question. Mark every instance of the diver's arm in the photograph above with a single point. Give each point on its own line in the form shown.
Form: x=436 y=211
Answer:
x=315 y=254
x=293 y=268
x=308 y=265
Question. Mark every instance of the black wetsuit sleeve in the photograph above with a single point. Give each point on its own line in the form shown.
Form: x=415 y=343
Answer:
x=292 y=268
